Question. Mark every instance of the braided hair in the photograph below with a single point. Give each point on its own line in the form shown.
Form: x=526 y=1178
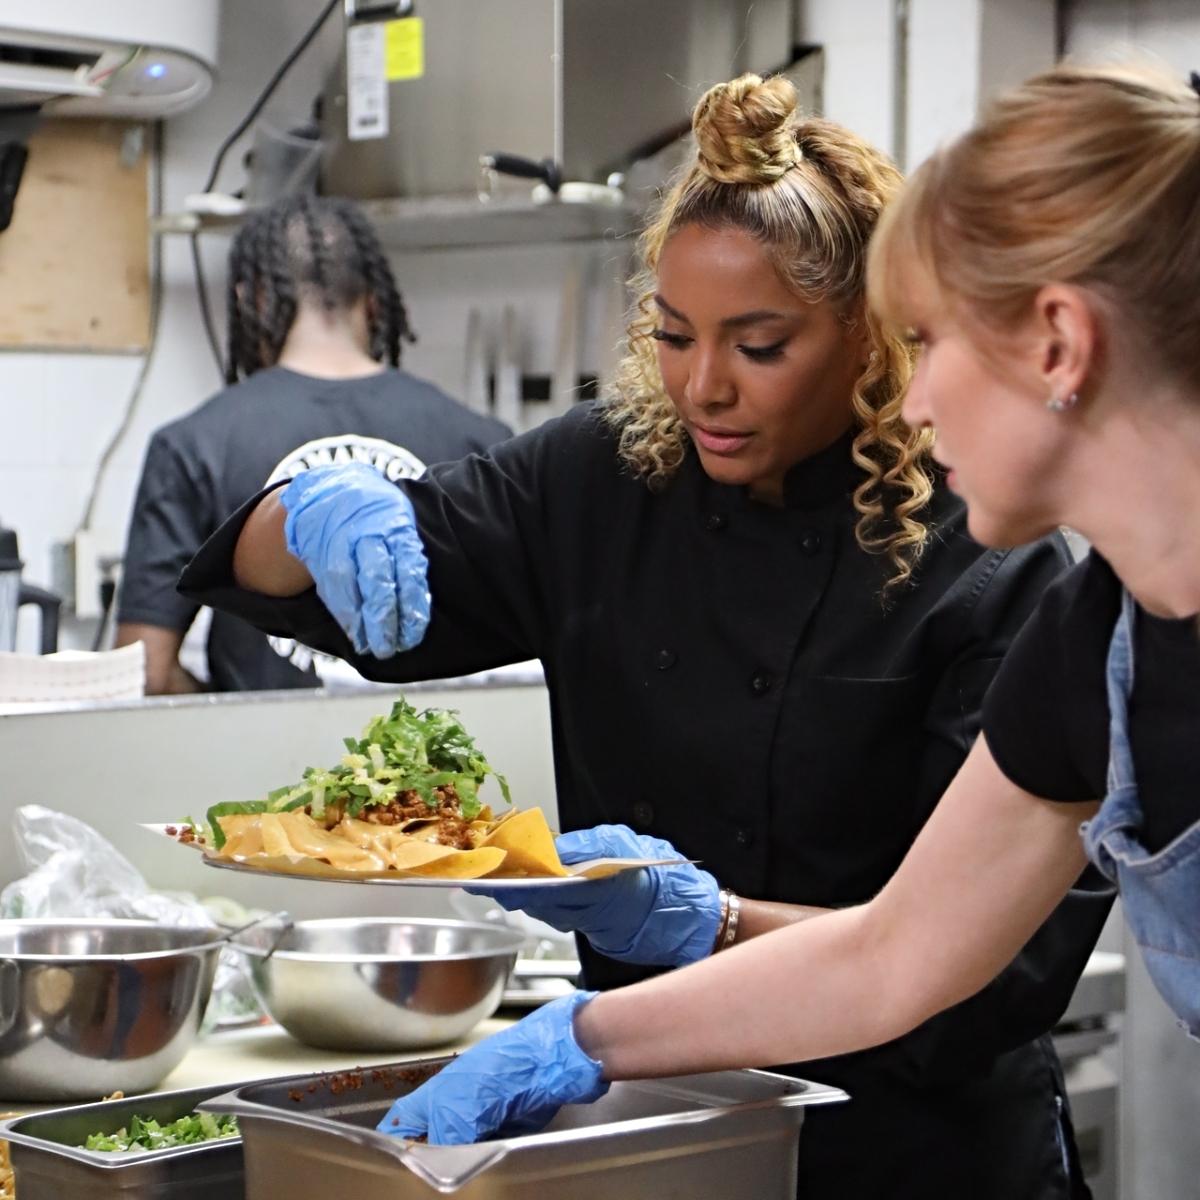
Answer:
x=315 y=249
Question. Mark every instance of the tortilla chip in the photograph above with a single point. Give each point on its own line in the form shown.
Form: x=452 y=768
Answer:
x=243 y=835
x=462 y=864
x=411 y=854
x=528 y=844
x=276 y=842
x=517 y=847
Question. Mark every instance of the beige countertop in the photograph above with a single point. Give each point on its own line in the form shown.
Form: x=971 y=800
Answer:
x=237 y=1056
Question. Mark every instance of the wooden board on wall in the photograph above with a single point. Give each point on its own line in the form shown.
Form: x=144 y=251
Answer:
x=74 y=263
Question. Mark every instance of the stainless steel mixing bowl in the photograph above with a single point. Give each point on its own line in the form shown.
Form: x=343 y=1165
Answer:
x=89 y=1007
x=380 y=983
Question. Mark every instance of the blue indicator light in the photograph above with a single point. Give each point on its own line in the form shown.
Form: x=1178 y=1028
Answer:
x=156 y=70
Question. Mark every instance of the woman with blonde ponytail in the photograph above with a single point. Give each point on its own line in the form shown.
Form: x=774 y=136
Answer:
x=766 y=635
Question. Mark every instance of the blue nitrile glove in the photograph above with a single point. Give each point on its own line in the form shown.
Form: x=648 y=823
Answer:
x=357 y=535
x=664 y=916
x=513 y=1082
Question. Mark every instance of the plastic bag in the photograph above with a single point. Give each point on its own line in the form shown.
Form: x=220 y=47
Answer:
x=72 y=871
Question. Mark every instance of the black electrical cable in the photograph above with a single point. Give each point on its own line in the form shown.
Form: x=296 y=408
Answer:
x=219 y=159
x=272 y=84
x=206 y=316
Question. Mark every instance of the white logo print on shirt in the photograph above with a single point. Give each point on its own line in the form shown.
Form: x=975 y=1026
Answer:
x=391 y=461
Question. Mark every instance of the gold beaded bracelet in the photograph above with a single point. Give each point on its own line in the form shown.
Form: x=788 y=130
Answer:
x=731 y=909
x=729 y=933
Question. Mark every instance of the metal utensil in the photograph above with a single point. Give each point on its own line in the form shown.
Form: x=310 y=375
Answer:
x=50 y=1162
x=723 y=1136
x=380 y=983
x=89 y=1007
x=285 y=925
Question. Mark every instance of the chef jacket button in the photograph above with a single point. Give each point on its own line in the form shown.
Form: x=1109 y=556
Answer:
x=760 y=683
x=665 y=659
x=715 y=523
x=810 y=542
x=643 y=813
x=744 y=838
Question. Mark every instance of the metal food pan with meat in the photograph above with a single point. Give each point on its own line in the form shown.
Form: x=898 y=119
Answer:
x=721 y=1136
x=50 y=1163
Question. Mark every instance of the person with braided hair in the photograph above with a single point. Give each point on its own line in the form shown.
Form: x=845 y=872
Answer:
x=766 y=634
x=316 y=325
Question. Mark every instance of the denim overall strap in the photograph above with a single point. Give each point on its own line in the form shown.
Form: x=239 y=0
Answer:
x=1160 y=892
x=1121 y=809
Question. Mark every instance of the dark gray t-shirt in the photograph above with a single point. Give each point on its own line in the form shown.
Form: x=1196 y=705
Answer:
x=277 y=423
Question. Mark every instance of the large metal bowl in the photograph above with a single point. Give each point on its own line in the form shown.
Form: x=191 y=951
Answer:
x=380 y=983
x=92 y=1007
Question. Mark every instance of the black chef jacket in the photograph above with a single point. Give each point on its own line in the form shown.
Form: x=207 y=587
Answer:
x=727 y=675
x=272 y=425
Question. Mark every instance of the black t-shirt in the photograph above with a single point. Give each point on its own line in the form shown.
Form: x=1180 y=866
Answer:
x=274 y=425
x=1046 y=717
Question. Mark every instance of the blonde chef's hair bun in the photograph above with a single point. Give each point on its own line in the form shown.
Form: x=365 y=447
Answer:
x=746 y=130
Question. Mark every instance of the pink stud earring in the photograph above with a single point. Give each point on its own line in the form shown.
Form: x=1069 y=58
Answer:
x=1062 y=403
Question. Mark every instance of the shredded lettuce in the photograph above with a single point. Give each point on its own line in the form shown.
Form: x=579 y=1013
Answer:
x=145 y=1133
x=405 y=751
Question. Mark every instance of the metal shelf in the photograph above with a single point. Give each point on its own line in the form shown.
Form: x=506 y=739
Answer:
x=445 y=222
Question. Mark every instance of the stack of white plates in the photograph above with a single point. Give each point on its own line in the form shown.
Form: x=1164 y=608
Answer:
x=73 y=675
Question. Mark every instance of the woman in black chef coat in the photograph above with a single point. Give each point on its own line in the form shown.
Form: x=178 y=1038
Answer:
x=1049 y=263
x=766 y=633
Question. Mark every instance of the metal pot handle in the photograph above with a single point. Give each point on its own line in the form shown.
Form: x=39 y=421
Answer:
x=48 y=605
x=286 y=924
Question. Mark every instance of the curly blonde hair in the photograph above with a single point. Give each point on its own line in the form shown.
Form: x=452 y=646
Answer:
x=811 y=193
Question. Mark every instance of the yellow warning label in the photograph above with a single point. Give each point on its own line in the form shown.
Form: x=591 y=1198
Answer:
x=404 y=49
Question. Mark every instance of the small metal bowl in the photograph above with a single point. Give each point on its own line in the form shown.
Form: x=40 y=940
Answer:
x=89 y=1007
x=380 y=983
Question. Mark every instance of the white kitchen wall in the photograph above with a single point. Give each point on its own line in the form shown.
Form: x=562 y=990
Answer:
x=858 y=40
x=1168 y=30
x=957 y=52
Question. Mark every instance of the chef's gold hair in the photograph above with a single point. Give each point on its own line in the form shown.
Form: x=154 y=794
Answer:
x=811 y=192
x=1083 y=175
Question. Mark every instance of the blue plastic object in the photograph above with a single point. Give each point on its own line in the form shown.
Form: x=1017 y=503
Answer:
x=357 y=535
x=512 y=1083
x=665 y=916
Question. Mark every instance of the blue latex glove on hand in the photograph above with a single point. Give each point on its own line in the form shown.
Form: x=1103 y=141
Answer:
x=665 y=916
x=357 y=535
x=513 y=1082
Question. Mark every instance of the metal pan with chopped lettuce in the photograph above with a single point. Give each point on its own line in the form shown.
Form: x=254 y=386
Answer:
x=145 y=1133
x=403 y=800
